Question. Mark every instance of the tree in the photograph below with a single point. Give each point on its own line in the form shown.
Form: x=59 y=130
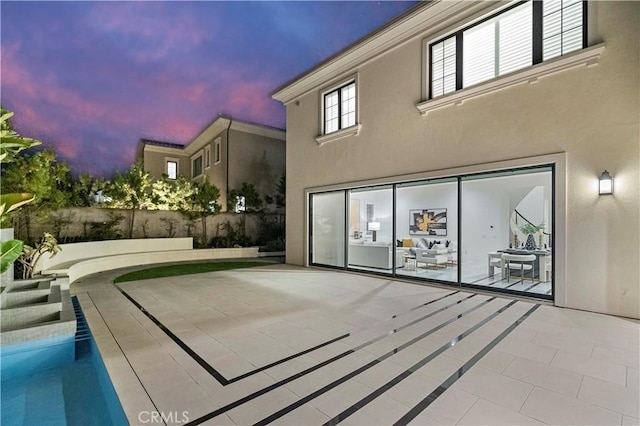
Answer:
x=281 y=191
x=41 y=175
x=248 y=192
x=131 y=191
x=83 y=189
x=171 y=194
x=11 y=143
x=204 y=203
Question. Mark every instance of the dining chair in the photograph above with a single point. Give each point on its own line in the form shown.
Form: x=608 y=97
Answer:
x=522 y=262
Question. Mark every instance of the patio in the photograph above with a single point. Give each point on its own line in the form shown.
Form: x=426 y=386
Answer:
x=293 y=345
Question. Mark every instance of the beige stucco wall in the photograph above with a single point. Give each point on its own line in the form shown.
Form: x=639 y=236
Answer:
x=591 y=114
x=155 y=158
x=255 y=159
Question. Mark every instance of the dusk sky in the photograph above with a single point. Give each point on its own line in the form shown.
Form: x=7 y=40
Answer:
x=92 y=78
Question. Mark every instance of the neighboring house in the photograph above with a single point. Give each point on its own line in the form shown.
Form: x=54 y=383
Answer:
x=423 y=150
x=228 y=152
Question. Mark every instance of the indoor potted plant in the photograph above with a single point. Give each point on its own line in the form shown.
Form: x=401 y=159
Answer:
x=529 y=229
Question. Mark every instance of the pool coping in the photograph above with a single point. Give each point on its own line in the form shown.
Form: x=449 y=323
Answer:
x=131 y=393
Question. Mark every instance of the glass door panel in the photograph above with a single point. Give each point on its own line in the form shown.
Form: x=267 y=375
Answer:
x=327 y=239
x=506 y=231
x=427 y=229
x=371 y=246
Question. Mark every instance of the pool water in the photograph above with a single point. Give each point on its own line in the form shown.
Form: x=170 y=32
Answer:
x=75 y=391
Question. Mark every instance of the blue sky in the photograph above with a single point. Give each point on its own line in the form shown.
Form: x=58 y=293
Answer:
x=92 y=78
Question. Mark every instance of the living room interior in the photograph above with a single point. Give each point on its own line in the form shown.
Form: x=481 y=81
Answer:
x=505 y=228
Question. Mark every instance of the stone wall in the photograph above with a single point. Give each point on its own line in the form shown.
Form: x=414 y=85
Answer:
x=79 y=223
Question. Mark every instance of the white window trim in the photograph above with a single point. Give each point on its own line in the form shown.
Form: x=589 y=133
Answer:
x=173 y=160
x=217 y=143
x=207 y=154
x=329 y=89
x=339 y=134
x=585 y=57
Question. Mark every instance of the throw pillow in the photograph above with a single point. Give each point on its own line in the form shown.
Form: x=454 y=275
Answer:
x=422 y=243
x=407 y=242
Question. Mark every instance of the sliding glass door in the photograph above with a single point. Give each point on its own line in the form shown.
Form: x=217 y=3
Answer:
x=507 y=219
x=490 y=230
x=327 y=229
x=427 y=229
x=371 y=246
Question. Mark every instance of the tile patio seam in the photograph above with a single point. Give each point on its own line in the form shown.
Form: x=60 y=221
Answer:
x=283 y=382
x=380 y=390
x=223 y=380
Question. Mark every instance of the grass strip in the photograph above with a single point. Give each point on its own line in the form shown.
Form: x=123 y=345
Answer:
x=184 y=269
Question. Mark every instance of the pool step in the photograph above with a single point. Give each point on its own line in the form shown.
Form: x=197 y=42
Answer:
x=36 y=309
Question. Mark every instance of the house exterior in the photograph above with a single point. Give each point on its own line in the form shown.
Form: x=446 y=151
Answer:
x=228 y=153
x=462 y=134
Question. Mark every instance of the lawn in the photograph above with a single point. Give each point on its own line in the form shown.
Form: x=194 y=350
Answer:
x=184 y=269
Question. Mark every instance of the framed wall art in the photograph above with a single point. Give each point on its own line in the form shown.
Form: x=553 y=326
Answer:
x=428 y=222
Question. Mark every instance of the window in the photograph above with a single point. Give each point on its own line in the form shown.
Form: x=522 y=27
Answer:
x=443 y=67
x=207 y=157
x=340 y=108
x=172 y=169
x=217 y=153
x=516 y=38
x=196 y=164
x=241 y=204
x=563 y=27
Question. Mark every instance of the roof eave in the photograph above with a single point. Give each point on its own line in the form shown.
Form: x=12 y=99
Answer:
x=415 y=22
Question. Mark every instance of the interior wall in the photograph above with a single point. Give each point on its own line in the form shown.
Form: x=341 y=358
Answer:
x=382 y=201
x=426 y=197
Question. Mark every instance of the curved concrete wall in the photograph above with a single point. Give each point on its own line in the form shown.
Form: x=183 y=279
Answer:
x=91 y=266
x=78 y=251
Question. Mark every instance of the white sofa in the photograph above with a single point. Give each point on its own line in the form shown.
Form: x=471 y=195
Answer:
x=374 y=255
x=436 y=254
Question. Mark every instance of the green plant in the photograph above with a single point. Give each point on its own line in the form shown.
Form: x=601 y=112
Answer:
x=108 y=229
x=530 y=228
x=252 y=199
x=204 y=203
x=31 y=255
x=169 y=225
x=60 y=222
x=43 y=176
x=232 y=236
x=131 y=191
x=11 y=143
x=169 y=194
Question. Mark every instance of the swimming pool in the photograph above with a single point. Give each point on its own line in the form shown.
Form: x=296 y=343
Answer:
x=72 y=389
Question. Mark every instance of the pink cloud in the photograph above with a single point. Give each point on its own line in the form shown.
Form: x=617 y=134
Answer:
x=149 y=24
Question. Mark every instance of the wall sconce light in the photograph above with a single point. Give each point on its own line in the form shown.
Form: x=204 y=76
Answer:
x=606 y=184
x=373 y=226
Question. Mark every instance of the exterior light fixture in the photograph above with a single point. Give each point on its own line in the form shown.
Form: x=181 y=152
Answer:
x=606 y=184
x=373 y=226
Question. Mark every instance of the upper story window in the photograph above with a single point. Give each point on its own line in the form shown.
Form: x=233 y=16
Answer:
x=217 y=154
x=196 y=166
x=518 y=37
x=172 y=169
x=207 y=157
x=339 y=106
x=563 y=27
